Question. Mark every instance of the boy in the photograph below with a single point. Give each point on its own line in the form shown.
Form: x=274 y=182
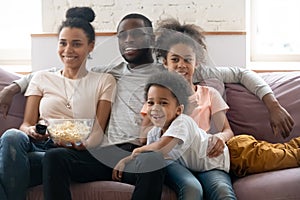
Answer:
x=175 y=135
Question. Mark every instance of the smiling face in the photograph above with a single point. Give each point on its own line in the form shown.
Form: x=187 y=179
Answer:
x=162 y=106
x=73 y=47
x=181 y=58
x=135 y=41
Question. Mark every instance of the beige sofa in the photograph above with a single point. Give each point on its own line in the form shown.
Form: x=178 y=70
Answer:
x=247 y=114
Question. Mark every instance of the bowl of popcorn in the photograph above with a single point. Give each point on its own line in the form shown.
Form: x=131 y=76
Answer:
x=69 y=130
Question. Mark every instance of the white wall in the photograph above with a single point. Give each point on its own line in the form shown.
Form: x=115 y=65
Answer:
x=211 y=15
x=44 y=52
x=224 y=50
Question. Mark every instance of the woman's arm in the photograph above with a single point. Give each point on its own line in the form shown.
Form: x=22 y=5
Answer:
x=18 y=86
x=31 y=117
x=103 y=113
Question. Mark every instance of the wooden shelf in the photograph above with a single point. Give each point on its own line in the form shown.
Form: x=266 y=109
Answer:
x=114 y=33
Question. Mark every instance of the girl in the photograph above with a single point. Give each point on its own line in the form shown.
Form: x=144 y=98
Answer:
x=182 y=54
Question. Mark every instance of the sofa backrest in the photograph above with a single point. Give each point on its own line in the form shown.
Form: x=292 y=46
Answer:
x=247 y=114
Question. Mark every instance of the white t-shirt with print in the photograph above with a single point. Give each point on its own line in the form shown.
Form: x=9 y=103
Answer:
x=192 y=150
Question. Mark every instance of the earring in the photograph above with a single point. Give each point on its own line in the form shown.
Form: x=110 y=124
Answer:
x=89 y=56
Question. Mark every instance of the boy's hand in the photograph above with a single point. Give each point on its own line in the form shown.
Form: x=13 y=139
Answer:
x=119 y=168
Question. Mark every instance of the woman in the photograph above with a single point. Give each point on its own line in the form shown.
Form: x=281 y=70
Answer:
x=63 y=94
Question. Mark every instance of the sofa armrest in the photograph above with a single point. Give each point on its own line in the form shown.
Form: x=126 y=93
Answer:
x=16 y=112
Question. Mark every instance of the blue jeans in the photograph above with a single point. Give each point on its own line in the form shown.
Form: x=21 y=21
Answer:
x=182 y=181
x=216 y=184
x=20 y=164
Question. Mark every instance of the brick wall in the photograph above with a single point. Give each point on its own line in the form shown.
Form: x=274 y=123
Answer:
x=211 y=15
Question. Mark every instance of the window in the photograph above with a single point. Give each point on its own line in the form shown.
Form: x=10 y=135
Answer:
x=275 y=31
x=19 y=19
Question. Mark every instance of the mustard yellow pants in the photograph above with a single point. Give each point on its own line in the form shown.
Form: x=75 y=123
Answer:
x=248 y=155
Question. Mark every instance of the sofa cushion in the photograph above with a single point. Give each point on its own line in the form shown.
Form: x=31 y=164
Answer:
x=16 y=112
x=247 y=114
x=280 y=184
x=104 y=190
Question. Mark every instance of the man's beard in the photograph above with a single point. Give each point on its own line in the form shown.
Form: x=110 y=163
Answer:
x=142 y=58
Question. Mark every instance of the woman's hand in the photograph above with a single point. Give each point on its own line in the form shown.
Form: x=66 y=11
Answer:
x=215 y=146
x=119 y=168
x=78 y=146
x=31 y=132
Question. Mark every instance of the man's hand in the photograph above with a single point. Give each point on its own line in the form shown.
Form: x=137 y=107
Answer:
x=280 y=120
x=6 y=98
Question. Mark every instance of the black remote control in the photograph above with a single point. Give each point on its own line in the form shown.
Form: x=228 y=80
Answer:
x=41 y=129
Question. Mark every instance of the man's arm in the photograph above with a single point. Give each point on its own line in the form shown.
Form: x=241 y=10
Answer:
x=246 y=77
x=280 y=120
x=8 y=93
x=18 y=86
x=6 y=96
x=23 y=82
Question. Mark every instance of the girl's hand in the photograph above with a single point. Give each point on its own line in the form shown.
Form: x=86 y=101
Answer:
x=215 y=146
